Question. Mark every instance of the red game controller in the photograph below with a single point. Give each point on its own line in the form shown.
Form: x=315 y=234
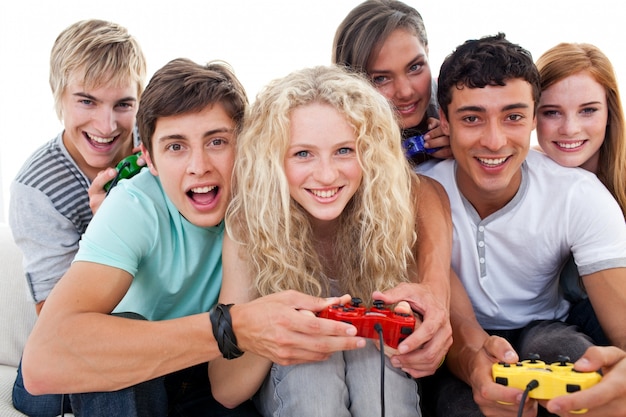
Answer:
x=395 y=326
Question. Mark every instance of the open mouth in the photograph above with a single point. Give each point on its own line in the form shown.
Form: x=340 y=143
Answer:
x=407 y=109
x=492 y=162
x=98 y=141
x=203 y=195
x=570 y=145
x=325 y=193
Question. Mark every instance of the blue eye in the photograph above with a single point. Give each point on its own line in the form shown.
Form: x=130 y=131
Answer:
x=377 y=80
x=589 y=110
x=415 y=67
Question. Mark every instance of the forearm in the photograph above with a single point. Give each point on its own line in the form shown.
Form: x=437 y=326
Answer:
x=467 y=334
x=235 y=381
x=434 y=244
x=90 y=352
x=607 y=294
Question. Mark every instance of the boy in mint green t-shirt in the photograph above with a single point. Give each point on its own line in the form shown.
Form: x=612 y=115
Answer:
x=153 y=251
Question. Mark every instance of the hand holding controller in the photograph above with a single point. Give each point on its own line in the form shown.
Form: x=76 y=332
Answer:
x=126 y=168
x=415 y=145
x=554 y=380
x=396 y=326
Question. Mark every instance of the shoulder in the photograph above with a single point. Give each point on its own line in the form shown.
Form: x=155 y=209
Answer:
x=440 y=172
x=49 y=168
x=430 y=193
x=435 y=167
x=143 y=186
x=429 y=186
x=546 y=171
x=44 y=153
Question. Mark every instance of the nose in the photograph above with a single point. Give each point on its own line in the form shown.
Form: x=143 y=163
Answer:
x=325 y=171
x=105 y=121
x=570 y=126
x=403 y=88
x=199 y=162
x=494 y=137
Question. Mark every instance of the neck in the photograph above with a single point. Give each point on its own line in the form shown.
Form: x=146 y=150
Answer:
x=487 y=202
x=591 y=164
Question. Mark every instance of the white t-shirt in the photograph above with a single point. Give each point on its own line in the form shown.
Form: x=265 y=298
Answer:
x=510 y=261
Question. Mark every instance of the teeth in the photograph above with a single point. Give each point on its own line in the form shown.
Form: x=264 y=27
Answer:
x=492 y=162
x=203 y=190
x=325 y=193
x=570 y=145
x=99 y=139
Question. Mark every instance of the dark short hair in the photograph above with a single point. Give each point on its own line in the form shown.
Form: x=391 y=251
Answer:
x=182 y=86
x=491 y=60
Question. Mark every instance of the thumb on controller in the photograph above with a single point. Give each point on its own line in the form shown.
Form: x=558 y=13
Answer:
x=500 y=349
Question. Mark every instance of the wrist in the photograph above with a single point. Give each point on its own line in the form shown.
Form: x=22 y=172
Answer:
x=221 y=323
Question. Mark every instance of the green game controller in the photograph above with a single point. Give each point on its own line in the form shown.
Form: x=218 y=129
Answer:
x=126 y=168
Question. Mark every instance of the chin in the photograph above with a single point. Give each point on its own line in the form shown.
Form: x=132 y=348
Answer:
x=410 y=121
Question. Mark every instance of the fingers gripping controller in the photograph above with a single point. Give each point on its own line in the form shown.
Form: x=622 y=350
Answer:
x=415 y=145
x=126 y=168
x=396 y=326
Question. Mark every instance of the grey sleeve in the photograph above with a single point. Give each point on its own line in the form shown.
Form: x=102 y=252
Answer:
x=47 y=239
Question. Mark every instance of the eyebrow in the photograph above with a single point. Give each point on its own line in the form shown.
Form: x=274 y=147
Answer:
x=346 y=143
x=92 y=98
x=481 y=109
x=416 y=58
x=206 y=134
x=589 y=103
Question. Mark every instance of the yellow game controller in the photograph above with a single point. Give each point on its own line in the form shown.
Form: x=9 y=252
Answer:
x=556 y=379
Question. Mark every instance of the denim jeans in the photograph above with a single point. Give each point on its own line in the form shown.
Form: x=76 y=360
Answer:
x=189 y=394
x=348 y=384
x=447 y=396
x=184 y=393
x=583 y=315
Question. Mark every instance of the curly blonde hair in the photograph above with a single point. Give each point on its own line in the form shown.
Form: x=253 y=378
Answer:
x=377 y=230
x=567 y=59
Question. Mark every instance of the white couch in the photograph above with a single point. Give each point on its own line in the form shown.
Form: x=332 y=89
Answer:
x=17 y=314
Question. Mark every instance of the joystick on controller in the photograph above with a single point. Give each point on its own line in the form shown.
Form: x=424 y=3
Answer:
x=395 y=326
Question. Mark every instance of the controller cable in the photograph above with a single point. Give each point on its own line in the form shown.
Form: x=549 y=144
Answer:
x=379 y=330
x=529 y=387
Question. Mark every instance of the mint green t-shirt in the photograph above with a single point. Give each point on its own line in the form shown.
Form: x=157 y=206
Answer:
x=176 y=266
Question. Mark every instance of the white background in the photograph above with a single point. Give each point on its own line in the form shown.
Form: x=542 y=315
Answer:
x=261 y=39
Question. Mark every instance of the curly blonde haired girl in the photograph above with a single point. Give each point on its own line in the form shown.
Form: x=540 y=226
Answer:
x=371 y=246
x=325 y=203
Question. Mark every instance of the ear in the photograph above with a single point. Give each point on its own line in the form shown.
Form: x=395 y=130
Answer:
x=444 y=125
x=146 y=155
